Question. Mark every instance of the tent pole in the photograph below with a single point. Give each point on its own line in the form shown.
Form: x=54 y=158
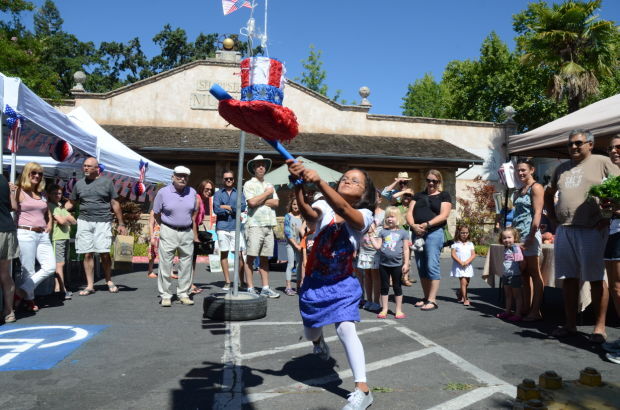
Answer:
x=235 y=291
x=1 y=143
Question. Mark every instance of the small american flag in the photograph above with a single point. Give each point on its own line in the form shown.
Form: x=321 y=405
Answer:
x=233 y=5
x=13 y=140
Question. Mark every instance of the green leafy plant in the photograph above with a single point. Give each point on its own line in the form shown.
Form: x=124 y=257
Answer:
x=478 y=211
x=481 y=250
x=610 y=190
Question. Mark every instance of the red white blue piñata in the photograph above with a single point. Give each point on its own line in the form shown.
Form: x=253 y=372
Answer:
x=260 y=109
x=61 y=150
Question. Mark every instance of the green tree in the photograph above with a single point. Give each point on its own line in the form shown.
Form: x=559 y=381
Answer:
x=571 y=42
x=64 y=53
x=175 y=50
x=425 y=98
x=314 y=76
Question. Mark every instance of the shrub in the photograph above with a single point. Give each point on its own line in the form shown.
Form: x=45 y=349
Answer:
x=478 y=213
x=481 y=250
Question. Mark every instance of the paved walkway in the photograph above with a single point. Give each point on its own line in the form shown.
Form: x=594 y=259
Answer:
x=137 y=355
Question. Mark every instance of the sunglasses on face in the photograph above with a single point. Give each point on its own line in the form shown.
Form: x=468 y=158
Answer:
x=229 y=179
x=614 y=148
x=36 y=173
x=578 y=143
x=432 y=181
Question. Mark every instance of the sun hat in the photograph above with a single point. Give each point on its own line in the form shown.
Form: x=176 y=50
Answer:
x=404 y=175
x=180 y=169
x=258 y=158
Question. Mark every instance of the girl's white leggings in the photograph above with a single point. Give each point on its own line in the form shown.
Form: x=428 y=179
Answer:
x=352 y=346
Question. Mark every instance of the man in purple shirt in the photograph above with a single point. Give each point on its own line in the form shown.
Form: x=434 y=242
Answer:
x=175 y=208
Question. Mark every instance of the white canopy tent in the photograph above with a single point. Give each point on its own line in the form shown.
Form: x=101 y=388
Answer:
x=42 y=124
x=116 y=157
x=602 y=118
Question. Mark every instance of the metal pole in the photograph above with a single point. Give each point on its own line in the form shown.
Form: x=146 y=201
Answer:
x=238 y=213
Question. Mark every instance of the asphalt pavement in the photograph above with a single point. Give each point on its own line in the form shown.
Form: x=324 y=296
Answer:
x=144 y=356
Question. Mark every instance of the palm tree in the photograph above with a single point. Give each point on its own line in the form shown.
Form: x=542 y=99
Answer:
x=572 y=43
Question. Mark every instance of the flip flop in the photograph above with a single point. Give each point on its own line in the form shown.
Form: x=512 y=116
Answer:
x=152 y=275
x=431 y=308
x=86 y=292
x=112 y=288
x=466 y=303
x=502 y=315
x=562 y=332
x=597 y=338
x=421 y=303
x=400 y=316
x=382 y=315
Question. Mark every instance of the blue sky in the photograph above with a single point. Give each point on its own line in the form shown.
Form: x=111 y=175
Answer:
x=383 y=45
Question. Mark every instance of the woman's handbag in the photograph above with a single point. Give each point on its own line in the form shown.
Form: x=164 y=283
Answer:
x=207 y=244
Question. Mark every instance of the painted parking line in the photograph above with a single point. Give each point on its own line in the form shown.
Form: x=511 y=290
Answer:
x=232 y=395
x=27 y=347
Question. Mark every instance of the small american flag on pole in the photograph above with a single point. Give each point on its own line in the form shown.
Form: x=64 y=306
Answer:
x=14 y=121
x=233 y=5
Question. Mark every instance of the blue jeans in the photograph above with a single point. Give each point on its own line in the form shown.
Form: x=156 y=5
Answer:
x=427 y=261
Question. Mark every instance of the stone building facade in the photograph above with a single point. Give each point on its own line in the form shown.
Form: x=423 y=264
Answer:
x=172 y=119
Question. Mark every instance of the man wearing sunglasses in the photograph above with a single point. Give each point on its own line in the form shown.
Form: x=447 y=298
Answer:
x=582 y=232
x=95 y=195
x=225 y=208
x=175 y=208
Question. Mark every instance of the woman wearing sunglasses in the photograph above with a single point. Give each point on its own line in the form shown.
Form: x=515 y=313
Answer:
x=427 y=215
x=34 y=222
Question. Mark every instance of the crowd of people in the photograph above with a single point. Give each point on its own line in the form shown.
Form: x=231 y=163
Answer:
x=345 y=248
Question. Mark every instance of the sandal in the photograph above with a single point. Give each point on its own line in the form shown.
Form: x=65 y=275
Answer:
x=561 y=332
x=382 y=315
x=433 y=307
x=196 y=290
x=10 y=318
x=152 y=275
x=112 y=288
x=503 y=315
x=514 y=318
x=400 y=315
x=466 y=303
x=86 y=292
x=597 y=338
x=30 y=306
x=405 y=281
x=421 y=303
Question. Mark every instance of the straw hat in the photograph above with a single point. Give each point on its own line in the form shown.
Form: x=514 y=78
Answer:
x=258 y=158
x=404 y=175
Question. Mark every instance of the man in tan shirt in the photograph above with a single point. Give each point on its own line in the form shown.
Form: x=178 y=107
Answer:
x=582 y=232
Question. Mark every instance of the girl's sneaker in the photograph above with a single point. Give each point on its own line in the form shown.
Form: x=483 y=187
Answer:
x=612 y=347
x=613 y=357
x=358 y=400
x=321 y=349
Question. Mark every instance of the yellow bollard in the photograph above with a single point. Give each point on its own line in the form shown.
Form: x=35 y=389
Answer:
x=527 y=390
x=534 y=405
x=550 y=380
x=590 y=377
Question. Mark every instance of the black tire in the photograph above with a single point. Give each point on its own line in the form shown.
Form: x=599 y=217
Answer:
x=216 y=307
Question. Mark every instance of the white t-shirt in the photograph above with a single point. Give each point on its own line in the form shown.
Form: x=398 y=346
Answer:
x=328 y=214
x=463 y=252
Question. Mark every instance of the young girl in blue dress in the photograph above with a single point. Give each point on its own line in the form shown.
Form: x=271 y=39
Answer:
x=330 y=293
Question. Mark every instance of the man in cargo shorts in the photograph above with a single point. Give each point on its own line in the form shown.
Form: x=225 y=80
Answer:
x=262 y=201
x=96 y=196
x=582 y=232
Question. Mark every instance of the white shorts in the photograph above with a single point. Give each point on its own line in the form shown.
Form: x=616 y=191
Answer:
x=93 y=237
x=579 y=253
x=226 y=241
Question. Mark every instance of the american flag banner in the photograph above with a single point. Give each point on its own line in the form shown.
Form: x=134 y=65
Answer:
x=14 y=121
x=233 y=5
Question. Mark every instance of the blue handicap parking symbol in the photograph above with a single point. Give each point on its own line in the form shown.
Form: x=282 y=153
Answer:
x=24 y=347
